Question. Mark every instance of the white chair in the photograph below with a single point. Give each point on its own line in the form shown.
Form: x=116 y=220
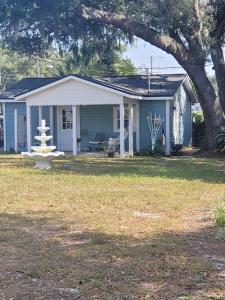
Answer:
x=111 y=147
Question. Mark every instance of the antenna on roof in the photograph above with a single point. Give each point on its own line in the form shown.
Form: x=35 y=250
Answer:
x=149 y=72
x=149 y=82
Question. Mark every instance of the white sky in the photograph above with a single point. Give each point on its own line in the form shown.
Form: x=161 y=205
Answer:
x=141 y=52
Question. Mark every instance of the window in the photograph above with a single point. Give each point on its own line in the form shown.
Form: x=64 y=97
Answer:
x=67 y=118
x=116 y=118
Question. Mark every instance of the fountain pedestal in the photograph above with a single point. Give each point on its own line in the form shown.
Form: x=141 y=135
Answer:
x=43 y=154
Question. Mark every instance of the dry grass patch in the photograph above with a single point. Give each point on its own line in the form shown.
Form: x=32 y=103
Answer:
x=138 y=228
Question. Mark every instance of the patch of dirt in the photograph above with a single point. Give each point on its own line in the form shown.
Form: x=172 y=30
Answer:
x=147 y=215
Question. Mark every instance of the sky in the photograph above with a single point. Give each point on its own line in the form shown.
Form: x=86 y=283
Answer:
x=140 y=54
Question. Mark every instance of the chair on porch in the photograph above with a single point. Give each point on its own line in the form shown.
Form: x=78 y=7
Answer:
x=110 y=147
x=98 y=141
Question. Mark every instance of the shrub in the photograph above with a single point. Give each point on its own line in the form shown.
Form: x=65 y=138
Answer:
x=176 y=148
x=198 y=134
x=220 y=215
x=220 y=139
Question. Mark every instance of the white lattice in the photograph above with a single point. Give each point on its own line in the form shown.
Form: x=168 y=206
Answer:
x=154 y=122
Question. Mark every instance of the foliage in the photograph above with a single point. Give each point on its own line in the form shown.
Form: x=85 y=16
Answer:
x=191 y=30
x=14 y=66
x=220 y=139
x=176 y=148
x=198 y=129
x=220 y=215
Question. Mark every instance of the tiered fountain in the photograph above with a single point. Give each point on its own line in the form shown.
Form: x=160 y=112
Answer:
x=43 y=154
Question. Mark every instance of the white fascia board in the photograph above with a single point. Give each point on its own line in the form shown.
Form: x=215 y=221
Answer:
x=188 y=85
x=25 y=95
x=158 y=98
x=10 y=101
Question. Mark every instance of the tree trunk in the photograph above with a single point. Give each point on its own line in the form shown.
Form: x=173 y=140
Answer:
x=209 y=101
x=184 y=55
x=219 y=66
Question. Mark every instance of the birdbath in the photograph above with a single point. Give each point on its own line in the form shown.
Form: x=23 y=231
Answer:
x=43 y=154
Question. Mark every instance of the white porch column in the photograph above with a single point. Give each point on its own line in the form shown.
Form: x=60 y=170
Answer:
x=167 y=149
x=4 y=127
x=138 y=127
x=28 y=128
x=39 y=114
x=15 y=131
x=51 y=120
x=131 y=131
x=78 y=127
x=74 y=112
x=122 y=149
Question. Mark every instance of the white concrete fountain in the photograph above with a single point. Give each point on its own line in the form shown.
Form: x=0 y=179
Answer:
x=43 y=154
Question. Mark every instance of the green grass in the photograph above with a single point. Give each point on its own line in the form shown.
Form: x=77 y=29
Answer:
x=220 y=215
x=139 y=228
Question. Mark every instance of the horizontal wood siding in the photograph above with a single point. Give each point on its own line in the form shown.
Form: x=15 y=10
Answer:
x=147 y=107
x=9 y=118
x=72 y=92
x=98 y=118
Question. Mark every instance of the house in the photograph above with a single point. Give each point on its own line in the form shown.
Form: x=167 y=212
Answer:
x=109 y=104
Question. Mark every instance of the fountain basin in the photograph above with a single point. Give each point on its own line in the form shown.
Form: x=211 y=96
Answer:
x=43 y=139
x=43 y=149
x=43 y=129
x=42 y=160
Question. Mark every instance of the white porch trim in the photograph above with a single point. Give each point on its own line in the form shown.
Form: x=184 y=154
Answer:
x=138 y=127
x=29 y=126
x=167 y=150
x=58 y=127
x=15 y=130
x=51 y=120
x=131 y=129
x=78 y=121
x=39 y=115
x=4 y=127
x=122 y=148
x=74 y=131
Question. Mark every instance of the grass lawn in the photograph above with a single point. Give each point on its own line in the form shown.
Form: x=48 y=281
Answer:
x=138 y=228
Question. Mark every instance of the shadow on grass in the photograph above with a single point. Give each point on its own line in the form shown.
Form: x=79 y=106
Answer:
x=206 y=170
x=40 y=257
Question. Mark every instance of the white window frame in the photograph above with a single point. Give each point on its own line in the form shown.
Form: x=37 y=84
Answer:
x=116 y=109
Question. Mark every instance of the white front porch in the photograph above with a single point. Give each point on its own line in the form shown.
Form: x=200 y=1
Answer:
x=66 y=136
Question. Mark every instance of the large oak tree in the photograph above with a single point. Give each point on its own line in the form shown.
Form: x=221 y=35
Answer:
x=191 y=30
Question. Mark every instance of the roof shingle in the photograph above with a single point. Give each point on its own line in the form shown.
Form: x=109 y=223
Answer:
x=136 y=85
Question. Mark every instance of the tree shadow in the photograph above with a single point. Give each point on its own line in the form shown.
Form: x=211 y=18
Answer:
x=43 y=258
x=205 y=170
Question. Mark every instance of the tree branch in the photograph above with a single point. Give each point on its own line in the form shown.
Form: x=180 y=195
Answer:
x=162 y=41
x=220 y=29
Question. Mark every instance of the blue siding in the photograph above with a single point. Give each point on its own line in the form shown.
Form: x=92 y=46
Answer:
x=147 y=107
x=9 y=119
x=21 y=110
x=95 y=119
x=35 y=123
x=35 y=120
x=100 y=119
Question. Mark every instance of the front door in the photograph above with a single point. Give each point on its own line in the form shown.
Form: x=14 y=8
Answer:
x=66 y=126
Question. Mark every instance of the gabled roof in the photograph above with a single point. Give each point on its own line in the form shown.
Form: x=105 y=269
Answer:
x=164 y=85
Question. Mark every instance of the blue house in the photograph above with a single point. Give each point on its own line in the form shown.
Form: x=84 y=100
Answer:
x=77 y=107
